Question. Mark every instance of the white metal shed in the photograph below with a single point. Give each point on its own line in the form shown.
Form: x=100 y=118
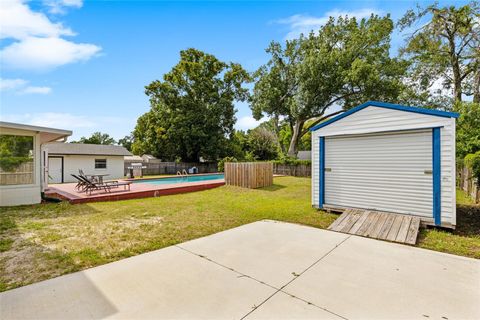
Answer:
x=387 y=157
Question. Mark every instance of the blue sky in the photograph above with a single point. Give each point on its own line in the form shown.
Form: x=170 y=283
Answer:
x=83 y=65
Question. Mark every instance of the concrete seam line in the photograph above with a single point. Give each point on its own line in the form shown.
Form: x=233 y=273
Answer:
x=261 y=282
x=281 y=289
x=321 y=258
x=228 y=268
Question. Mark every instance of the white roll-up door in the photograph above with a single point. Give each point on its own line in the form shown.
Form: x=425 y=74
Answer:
x=389 y=172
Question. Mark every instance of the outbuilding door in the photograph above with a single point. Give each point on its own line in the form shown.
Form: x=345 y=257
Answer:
x=388 y=172
x=55 y=169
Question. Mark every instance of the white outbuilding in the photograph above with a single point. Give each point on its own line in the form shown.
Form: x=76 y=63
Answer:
x=387 y=157
x=65 y=159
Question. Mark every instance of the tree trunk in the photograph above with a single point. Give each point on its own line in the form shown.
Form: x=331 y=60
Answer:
x=457 y=76
x=296 y=135
x=276 y=128
x=476 y=87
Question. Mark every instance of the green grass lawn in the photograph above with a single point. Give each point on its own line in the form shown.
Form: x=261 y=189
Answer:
x=43 y=241
x=465 y=239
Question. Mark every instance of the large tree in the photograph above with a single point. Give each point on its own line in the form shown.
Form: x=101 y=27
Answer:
x=344 y=64
x=126 y=142
x=468 y=128
x=192 y=110
x=262 y=143
x=97 y=138
x=445 y=48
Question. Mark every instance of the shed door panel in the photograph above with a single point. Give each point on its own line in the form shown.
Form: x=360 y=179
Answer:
x=55 y=170
x=390 y=172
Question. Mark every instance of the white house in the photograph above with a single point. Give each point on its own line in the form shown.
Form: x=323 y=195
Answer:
x=65 y=159
x=387 y=157
x=22 y=166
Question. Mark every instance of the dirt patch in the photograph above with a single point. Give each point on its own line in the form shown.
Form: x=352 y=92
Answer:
x=468 y=220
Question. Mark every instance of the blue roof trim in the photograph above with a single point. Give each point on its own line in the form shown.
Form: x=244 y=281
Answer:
x=430 y=112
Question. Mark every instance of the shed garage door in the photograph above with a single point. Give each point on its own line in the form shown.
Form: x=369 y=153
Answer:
x=389 y=172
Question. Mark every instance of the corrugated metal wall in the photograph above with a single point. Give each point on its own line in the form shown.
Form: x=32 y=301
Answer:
x=383 y=172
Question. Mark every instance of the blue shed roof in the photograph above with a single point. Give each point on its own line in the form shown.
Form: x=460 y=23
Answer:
x=430 y=112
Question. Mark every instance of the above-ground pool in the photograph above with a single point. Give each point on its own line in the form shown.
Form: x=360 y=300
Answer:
x=179 y=179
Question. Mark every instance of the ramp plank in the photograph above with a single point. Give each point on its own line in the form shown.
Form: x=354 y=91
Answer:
x=413 y=231
x=359 y=222
x=378 y=225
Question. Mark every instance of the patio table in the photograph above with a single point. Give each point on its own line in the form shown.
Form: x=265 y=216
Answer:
x=99 y=177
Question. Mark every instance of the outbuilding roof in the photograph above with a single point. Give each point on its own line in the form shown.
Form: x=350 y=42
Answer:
x=133 y=158
x=86 y=149
x=430 y=112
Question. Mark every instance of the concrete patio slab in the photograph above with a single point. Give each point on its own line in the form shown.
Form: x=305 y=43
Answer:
x=237 y=274
x=366 y=278
x=168 y=283
x=273 y=252
x=283 y=306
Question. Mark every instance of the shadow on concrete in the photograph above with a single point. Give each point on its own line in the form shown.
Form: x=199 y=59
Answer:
x=73 y=296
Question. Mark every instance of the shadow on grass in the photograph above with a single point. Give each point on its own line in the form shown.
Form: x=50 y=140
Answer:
x=48 y=210
x=468 y=220
x=273 y=187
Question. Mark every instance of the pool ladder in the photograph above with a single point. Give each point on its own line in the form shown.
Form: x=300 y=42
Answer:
x=182 y=174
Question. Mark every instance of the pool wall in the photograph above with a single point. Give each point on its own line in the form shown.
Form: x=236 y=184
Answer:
x=146 y=178
x=138 y=190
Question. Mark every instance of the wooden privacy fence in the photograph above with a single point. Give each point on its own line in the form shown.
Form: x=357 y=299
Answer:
x=249 y=174
x=23 y=174
x=296 y=170
x=467 y=183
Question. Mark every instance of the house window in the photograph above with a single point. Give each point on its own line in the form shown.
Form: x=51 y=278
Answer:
x=17 y=160
x=100 y=163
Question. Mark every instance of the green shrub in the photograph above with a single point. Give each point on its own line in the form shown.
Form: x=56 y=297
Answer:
x=472 y=161
x=9 y=164
x=291 y=161
x=221 y=163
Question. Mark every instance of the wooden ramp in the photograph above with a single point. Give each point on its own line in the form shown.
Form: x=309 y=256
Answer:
x=378 y=225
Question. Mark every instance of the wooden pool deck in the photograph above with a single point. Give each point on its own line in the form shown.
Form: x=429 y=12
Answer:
x=378 y=225
x=67 y=191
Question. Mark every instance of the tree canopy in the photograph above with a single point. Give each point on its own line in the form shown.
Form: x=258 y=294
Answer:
x=126 y=142
x=192 y=110
x=445 y=49
x=343 y=64
x=97 y=138
x=468 y=128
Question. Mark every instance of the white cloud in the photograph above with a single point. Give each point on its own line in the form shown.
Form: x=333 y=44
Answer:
x=50 y=119
x=58 y=6
x=17 y=21
x=38 y=42
x=46 y=53
x=19 y=86
x=304 y=24
x=11 y=84
x=36 y=90
x=247 y=122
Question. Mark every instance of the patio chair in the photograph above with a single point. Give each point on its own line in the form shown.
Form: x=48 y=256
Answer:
x=80 y=183
x=93 y=178
x=82 y=174
x=92 y=185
